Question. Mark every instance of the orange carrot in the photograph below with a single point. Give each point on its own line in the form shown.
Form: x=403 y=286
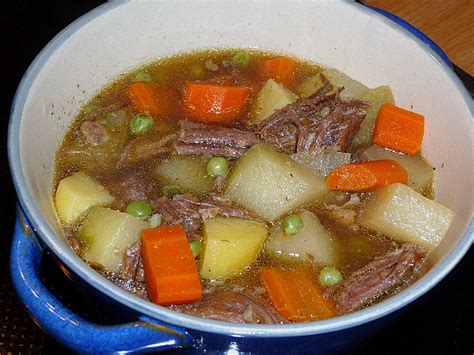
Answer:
x=212 y=103
x=171 y=273
x=152 y=98
x=399 y=129
x=281 y=69
x=295 y=295
x=369 y=175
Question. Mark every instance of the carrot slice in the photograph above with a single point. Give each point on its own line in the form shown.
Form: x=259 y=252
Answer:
x=281 y=69
x=295 y=295
x=212 y=103
x=399 y=129
x=369 y=175
x=171 y=273
x=152 y=98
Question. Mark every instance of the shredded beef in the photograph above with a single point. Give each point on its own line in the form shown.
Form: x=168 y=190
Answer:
x=190 y=212
x=143 y=148
x=377 y=278
x=229 y=306
x=313 y=122
x=198 y=138
x=129 y=185
x=132 y=268
x=205 y=149
x=168 y=211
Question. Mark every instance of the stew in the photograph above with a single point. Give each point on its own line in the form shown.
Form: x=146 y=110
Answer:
x=251 y=187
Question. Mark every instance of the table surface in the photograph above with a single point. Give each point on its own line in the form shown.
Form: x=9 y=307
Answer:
x=440 y=322
x=450 y=23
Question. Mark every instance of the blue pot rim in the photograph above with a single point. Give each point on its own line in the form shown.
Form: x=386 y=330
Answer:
x=67 y=256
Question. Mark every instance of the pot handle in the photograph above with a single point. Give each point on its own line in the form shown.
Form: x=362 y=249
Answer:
x=416 y=32
x=80 y=335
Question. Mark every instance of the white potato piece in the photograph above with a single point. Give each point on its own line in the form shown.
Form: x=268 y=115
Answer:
x=230 y=245
x=377 y=97
x=353 y=89
x=403 y=214
x=420 y=173
x=106 y=234
x=272 y=96
x=188 y=172
x=76 y=194
x=323 y=162
x=271 y=184
x=312 y=242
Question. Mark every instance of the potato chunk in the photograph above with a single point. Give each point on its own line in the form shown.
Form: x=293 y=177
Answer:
x=271 y=183
x=312 y=242
x=230 y=245
x=323 y=162
x=272 y=97
x=420 y=173
x=405 y=215
x=377 y=97
x=188 y=172
x=353 y=89
x=106 y=234
x=76 y=194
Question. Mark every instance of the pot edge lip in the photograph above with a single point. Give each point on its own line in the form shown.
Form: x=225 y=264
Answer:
x=70 y=259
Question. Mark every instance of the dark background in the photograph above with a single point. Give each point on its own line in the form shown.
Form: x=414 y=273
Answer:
x=441 y=322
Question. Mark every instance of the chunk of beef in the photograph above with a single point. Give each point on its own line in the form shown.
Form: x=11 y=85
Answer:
x=337 y=130
x=132 y=268
x=169 y=213
x=190 y=212
x=198 y=138
x=113 y=106
x=234 y=307
x=313 y=122
x=209 y=150
x=223 y=207
x=94 y=132
x=377 y=278
x=142 y=148
x=130 y=185
x=187 y=210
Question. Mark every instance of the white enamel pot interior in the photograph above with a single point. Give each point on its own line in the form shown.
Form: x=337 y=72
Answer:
x=119 y=36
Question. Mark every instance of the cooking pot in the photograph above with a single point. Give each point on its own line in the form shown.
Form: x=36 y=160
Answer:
x=119 y=36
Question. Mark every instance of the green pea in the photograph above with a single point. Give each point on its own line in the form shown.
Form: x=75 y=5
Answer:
x=171 y=190
x=330 y=276
x=217 y=166
x=292 y=224
x=142 y=77
x=155 y=220
x=195 y=246
x=141 y=209
x=142 y=124
x=198 y=71
x=241 y=59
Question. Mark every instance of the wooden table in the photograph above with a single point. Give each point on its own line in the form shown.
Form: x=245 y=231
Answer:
x=449 y=23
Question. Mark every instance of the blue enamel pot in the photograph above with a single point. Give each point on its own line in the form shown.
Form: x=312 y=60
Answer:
x=367 y=45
